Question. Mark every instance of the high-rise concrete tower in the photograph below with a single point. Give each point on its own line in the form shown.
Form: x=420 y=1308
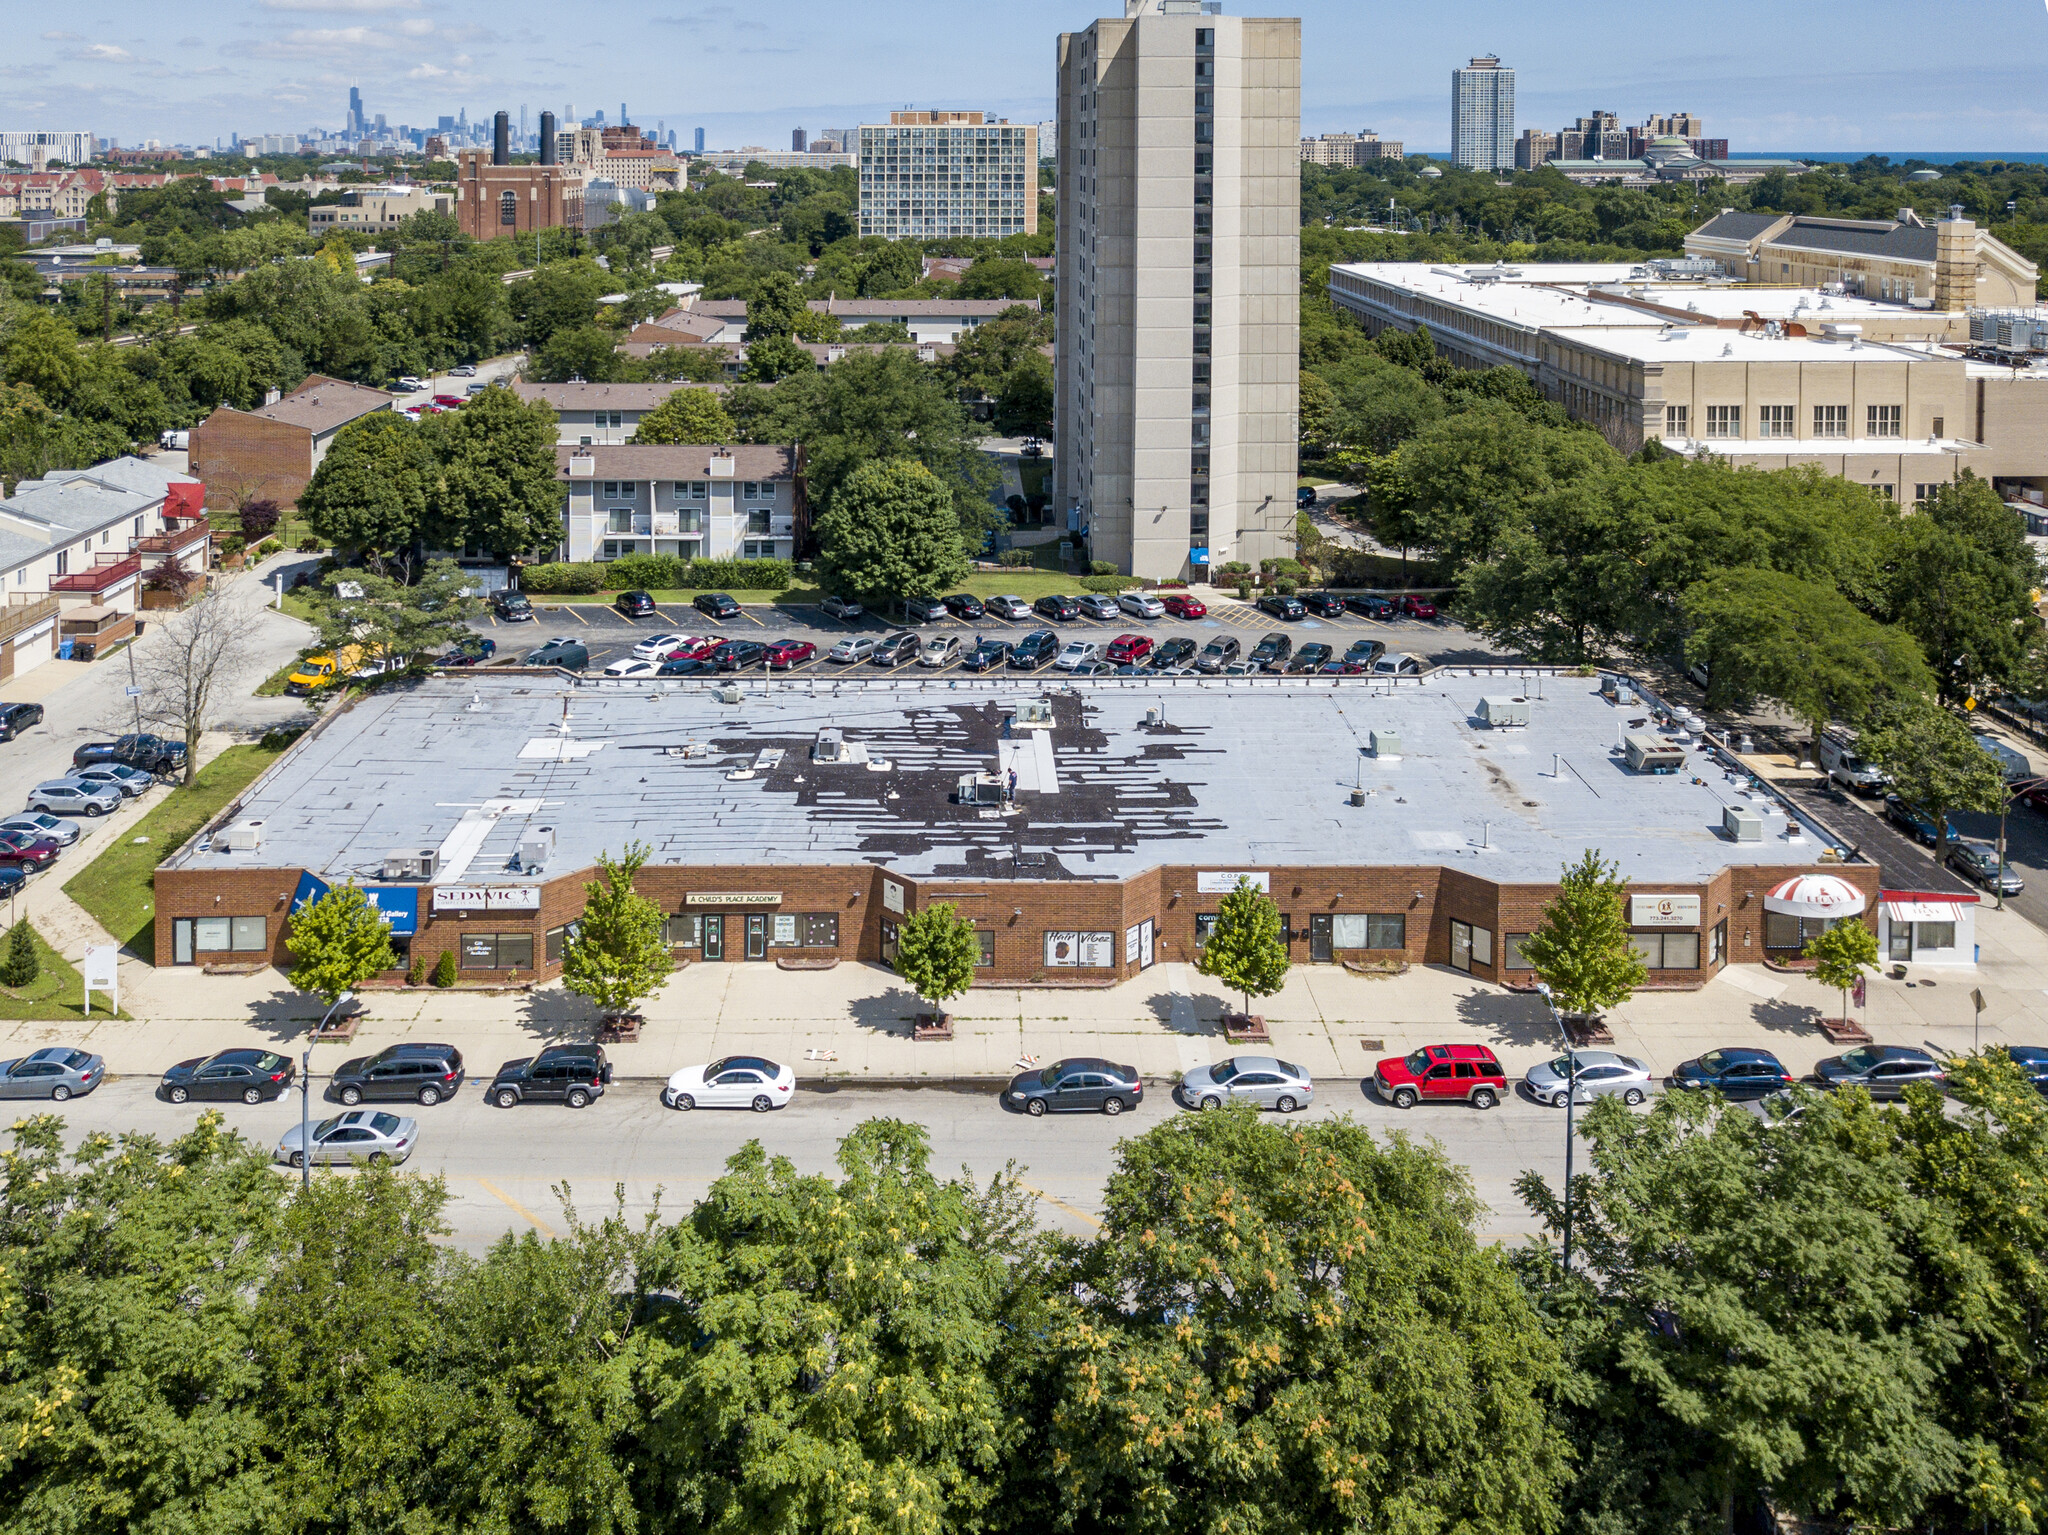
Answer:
x=1483 y=115
x=1179 y=271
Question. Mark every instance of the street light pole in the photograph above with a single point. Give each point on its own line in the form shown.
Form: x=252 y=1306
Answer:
x=1571 y=1093
x=2012 y=792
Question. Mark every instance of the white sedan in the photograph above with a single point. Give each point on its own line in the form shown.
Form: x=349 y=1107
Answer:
x=628 y=667
x=1141 y=605
x=737 y=1082
x=1078 y=653
x=662 y=646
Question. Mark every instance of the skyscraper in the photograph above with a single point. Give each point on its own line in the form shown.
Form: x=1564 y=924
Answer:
x=796 y=140
x=1179 y=248
x=355 y=113
x=1483 y=115
x=522 y=125
x=944 y=175
x=700 y=141
x=624 y=120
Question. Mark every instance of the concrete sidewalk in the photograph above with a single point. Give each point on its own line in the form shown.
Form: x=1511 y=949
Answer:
x=1327 y=1019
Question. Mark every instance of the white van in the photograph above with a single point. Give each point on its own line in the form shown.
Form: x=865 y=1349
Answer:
x=1838 y=757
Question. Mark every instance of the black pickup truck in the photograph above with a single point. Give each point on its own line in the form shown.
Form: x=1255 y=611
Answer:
x=152 y=754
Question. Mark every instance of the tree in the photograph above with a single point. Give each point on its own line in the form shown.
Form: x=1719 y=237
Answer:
x=390 y=620
x=618 y=952
x=22 y=964
x=498 y=488
x=688 y=415
x=259 y=521
x=1245 y=951
x=891 y=533
x=774 y=358
x=191 y=660
x=1840 y=953
x=339 y=940
x=42 y=352
x=936 y=952
x=1961 y=579
x=374 y=489
x=1934 y=762
x=1581 y=949
x=579 y=353
x=1025 y=405
x=772 y=311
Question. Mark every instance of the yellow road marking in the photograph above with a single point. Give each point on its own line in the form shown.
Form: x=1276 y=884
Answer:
x=515 y=1206
x=1055 y=1202
x=571 y=607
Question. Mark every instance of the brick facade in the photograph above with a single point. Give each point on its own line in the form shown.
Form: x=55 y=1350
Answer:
x=240 y=457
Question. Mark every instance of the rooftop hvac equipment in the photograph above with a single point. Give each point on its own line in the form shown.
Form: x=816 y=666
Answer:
x=1504 y=713
x=240 y=837
x=1033 y=714
x=1386 y=745
x=407 y=864
x=831 y=746
x=729 y=694
x=1742 y=824
x=536 y=847
x=1648 y=754
x=978 y=789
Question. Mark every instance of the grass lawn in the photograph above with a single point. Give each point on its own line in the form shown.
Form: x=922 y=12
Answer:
x=1035 y=475
x=54 y=994
x=298 y=605
x=118 y=886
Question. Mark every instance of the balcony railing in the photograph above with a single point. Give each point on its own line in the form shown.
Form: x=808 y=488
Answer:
x=100 y=577
x=173 y=541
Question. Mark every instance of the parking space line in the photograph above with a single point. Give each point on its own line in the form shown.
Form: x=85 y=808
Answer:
x=571 y=607
x=745 y=614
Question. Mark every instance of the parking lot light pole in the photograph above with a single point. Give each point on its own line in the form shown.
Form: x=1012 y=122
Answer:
x=1571 y=1093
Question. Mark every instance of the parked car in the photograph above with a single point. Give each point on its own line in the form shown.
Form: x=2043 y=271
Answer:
x=1601 y=1074
x=686 y=666
x=1417 y=607
x=1843 y=766
x=715 y=605
x=1217 y=654
x=470 y=650
x=39 y=823
x=939 y=650
x=1737 y=1072
x=1356 y=661
x=1441 y=1074
x=132 y=782
x=1032 y=448
x=1323 y=604
x=1914 y=821
x=634 y=604
x=15 y=718
x=628 y=666
x=1397 y=664
x=70 y=796
x=254 y=1076
x=451 y=401
x=1276 y=606
x=1264 y=1081
x=965 y=607
x=1304 y=497
x=56 y=1072
x=367 y=1135
x=1366 y=605
x=2033 y=1060
x=895 y=649
x=1128 y=650
x=1178 y=651
x=1885 y=1071
x=571 y=1074
x=24 y=851
x=1009 y=607
x=1073 y=1085
x=737 y=1082
x=463 y=370
x=923 y=610
x=1141 y=605
x=986 y=656
x=414 y=1072
x=1181 y=605
x=1059 y=609
x=737 y=655
x=1979 y=861
x=1310 y=658
x=844 y=609
x=1034 y=650
x=783 y=654
x=409 y=385
x=1271 y=653
x=1078 y=653
x=510 y=607
x=151 y=753
x=661 y=647
x=855 y=647
x=570 y=654
x=1096 y=605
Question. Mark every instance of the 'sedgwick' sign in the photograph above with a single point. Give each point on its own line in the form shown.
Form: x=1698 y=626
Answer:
x=487 y=898
x=733 y=898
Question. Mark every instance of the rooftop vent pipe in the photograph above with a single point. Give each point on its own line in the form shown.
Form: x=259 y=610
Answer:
x=501 y=139
x=547 y=138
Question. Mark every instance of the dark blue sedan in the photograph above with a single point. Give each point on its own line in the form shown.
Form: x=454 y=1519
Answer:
x=1734 y=1073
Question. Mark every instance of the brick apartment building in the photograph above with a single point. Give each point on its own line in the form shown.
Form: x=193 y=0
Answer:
x=271 y=453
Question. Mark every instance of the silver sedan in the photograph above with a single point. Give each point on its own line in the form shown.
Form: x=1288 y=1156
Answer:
x=40 y=824
x=1601 y=1074
x=366 y=1134
x=55 y=1072
x=1262 y=1080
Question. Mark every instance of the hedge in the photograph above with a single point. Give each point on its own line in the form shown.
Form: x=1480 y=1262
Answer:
x=560 y=578
x=1110 y=584
x=656 y=572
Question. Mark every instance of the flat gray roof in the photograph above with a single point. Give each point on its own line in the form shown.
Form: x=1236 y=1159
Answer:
x=1248 y=771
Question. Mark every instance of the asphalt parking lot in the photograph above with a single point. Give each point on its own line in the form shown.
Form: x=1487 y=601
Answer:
x=611 y=636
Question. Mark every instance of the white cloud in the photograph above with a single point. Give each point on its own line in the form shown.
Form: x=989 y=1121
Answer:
x=316 y=43
x=62 y=37
x=101 y=53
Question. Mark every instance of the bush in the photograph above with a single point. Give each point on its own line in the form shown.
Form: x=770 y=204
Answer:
x=259 y=520
x=416 y=973
x=1016 y=505
x=267 y=548
x=1284 y=588
x=21 y=964
x=1016 y=559
x=738 y=575
x=1236 y=568
x=1290 y=568
x=1101 y=568
x=310 y=544
x=1244 y=592
x=1110 y=584
x=278 y=737
x=231 y=545
x=444 y=969
x=647 y=572
x=560 y=577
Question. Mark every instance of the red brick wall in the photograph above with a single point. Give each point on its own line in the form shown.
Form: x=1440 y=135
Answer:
x=243 y=457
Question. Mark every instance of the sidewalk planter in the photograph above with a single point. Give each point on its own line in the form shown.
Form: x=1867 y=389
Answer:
x=1245 y=1029
x=620 y=1029
x=932 y=1026
x=1843 y=1032
x=1586 y=1028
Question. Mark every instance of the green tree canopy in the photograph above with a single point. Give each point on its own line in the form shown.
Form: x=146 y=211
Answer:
x=374 y=488
x=1934 y=761
x=618 y=953
x=338 y=940
x=936 y=952
x=688 y=415
x=498 y=485
x=890 y=533
x=1581 y=949
x=1244 y=949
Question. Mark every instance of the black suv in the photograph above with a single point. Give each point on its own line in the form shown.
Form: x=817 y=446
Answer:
x=511 y=607
x=15 y=718
x=895 y=649
x=424 y=1074
x=1271 y=653
x=561 y=651
x=1323 y=604
x=571 y=1074
x=715 y=605
x=1282 y=607
x=1059 y=609
x=1034 y=650
x=733 y=655
x=1178 y=651
x=987 y=655
x=152 y=754
x=1310 y=658
x=634 y=604
x=923 y=610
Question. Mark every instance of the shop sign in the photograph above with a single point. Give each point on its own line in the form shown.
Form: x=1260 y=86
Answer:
x=733 y=898
x=892 y=895
x=1225 y=881
x=1663 y=911
x=487 y=898
x=1095 y=951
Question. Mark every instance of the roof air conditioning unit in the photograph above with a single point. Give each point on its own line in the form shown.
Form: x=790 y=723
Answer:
x=240 y=837
x=729 y=694
x=1504 y=713
x=536 y=847
x=409 y=864
x=1386 y=745
x=1741 y=824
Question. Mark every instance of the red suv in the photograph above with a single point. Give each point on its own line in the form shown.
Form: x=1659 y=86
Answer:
x=784 y=654
x=1441 y=1073
x=1129 y=649
x=1417 y=607
x=1182 y=606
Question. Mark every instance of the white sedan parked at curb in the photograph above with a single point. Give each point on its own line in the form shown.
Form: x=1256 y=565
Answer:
x=737 y=1082
x=660 y=647
x=628 y=667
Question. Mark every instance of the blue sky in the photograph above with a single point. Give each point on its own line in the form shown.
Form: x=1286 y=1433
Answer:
x=1765 y=74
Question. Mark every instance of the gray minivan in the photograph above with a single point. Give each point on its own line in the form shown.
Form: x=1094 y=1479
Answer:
x=561 y=651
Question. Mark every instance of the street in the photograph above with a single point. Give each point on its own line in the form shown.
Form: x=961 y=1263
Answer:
x=502 y=1166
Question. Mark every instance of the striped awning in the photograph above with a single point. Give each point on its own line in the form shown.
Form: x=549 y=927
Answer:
x=1815 y=895
x=1922 y=911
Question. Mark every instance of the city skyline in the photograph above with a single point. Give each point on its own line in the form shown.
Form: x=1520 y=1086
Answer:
x=270 y=66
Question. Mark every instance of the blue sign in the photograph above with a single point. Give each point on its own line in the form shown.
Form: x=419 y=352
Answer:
x=310 y=889
x=1198 y=556
x=399 y=904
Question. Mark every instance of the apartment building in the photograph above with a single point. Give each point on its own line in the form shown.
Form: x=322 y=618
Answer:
x=272 y=452
x=948 y=175
x=1952 y=264
x=1483 y=115
x=696 y=502
x=1179 y=238
x=1349 y=150
x=38 y=149
x=589 y=415
x=368 y=210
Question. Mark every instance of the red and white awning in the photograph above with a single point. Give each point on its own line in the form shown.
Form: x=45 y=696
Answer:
x=1923 y=911
x=1815 y=895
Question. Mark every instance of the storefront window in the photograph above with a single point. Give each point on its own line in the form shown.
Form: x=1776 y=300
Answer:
x=1784 y=931
x=1934 y=935
x=685 y=932
x=214 y=935
x=804 y=930
x=558 y=940
x=1512 y=957
x=1369 y=931
x=1667 y=951
x=1205 y=924
x=497 y=951
x=987 y=957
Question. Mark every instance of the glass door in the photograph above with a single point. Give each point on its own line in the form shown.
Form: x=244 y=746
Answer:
x=1319 y=951
x=757 y=935
x=1461 y=946
x=1901 y=944
x=714 y=937
x=888 y=943
x=1145 y=944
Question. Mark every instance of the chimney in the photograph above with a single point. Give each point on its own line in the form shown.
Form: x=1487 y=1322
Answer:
x=501 y=139
x=547 y=138
x=1955 y=263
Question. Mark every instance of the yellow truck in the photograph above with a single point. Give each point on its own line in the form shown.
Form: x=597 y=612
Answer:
x=317 y=672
